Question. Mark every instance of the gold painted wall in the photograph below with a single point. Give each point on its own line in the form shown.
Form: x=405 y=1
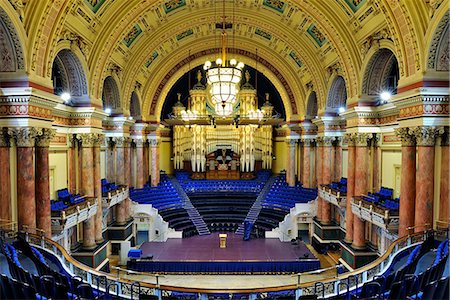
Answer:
x=280 y=151
x=58 y=171
x=390 y=159
x=165 y=153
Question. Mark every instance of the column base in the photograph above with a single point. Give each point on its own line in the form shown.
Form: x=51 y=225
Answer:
x=94 y=257
x=356 y=258
x=98 y=242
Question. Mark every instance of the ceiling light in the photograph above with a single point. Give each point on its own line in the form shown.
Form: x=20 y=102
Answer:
x=108 y=111
x=385 y=96
x=65 y=96
x=341 y=109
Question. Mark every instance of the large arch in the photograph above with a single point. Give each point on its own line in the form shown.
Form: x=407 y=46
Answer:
x=438 y=54
x=12 y=57
x=311 y=106
x=111 y=96
x=381 y=73
x=69 y=76
x=337 y=96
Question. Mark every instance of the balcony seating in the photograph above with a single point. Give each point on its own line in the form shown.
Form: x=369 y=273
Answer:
x=108 y=187
x=68 y=198
x=340 y=186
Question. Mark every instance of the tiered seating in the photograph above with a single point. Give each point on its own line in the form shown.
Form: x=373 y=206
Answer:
x=108 y=187
x=409 y=280
x=168 y=202
x=280 y=199
x=65 y=200
x=30 y=277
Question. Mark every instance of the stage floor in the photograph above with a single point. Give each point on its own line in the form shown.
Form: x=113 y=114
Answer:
x=206 y=248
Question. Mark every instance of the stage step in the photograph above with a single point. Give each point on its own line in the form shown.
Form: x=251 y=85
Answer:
x=254 y=211
x=193 y=213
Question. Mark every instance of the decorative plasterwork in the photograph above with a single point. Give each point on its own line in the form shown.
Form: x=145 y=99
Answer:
x=355 y=4
x=171 y=5
x=276 y=5
x=11 y=58
x=132 y=35
x=94 y=5
x=317 y=35
x=438 y=55
x=26 y=104
x=25 y=136
x=405 y=135
x=296 y=59
x=374 y=40
x=46 y=137
x=423 y=105
x=151 y=59
x=76 y=40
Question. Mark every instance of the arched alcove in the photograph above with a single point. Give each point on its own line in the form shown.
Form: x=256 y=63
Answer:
x=337 y=96
x=311 y=106
x=438 y=57
x=69 y=77
x=135 y=106
x=11 y=54
x=111 y=96
x=381 y=74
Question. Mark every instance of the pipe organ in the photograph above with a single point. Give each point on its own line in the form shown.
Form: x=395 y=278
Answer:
x=240 y=142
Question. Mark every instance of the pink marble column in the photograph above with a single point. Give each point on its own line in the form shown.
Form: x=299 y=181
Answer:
x=87 y=184
x=327 y=148
x=376 y=163
x=319 y=161
x=110 y=162
x=154 y=144
x=127 y=163
x=98 y=220
x=71 y=165
x=425 y=138
x=314 y=151
x=43 y=214
x=361 y=186
x=145 y=166
x=290 y=172
x=121 y=216
x=350 y=187
x=26 y=197
x=133 y=165
x=140 y=178
x=5 y=178
x=306 y=172
x=338 y=159
x=408 y=181
x=444 y=180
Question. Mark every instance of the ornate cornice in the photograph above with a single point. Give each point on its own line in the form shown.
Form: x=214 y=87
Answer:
x=405 y=136
x=46 y=137
x=25 y=136
x=426 y=135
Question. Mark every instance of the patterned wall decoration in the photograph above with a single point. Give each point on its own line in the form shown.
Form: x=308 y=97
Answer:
x=172 y=5
x=185 y=34
x=151 y=59
x=317 y=35
x=296 y=58
x=94 y=5
x=355 y=4
x=132 y=35
x=277 y=5
x=263 y=34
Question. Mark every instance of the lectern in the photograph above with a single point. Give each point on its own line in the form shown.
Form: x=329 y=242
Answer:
x=223 y=240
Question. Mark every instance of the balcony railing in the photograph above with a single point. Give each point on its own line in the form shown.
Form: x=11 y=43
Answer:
x=333 y=196
x=380 y=216
x=73 y=215
x=112 y=198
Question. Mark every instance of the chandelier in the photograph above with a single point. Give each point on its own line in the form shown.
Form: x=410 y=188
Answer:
x=223 y=77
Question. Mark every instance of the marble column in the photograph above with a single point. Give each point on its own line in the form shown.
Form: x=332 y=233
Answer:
x=26 y=197
x=127 y=163
x=87 y=184
x=140 y=178
x=71 y=165
x=319 y=161
x=350 y=139
x=290 y=172
x=425 y=139
x=110 y=161
x=337 y=166
x=133 y=165
x=98 y=219
x=314 y=165
x=306 y=173
x=408 y=181
x=5 y=177
x=361 y=185
x=327 y=147
x=444 y=179
x=120 y=142
x=145 y=162
x=42 y=188
x=154 y=144
x=376 y=162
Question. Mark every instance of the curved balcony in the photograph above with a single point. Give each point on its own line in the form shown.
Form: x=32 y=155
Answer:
x=334 y=196
x=66 y=218
x=383 y=217
x=111 y=198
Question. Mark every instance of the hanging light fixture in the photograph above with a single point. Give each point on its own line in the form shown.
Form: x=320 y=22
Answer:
x=223 y=76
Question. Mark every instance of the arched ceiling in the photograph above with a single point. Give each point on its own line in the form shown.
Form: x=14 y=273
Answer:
x=149 y=44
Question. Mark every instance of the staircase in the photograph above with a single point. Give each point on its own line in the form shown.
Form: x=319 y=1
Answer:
x=254 y=211
x=193 y=213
